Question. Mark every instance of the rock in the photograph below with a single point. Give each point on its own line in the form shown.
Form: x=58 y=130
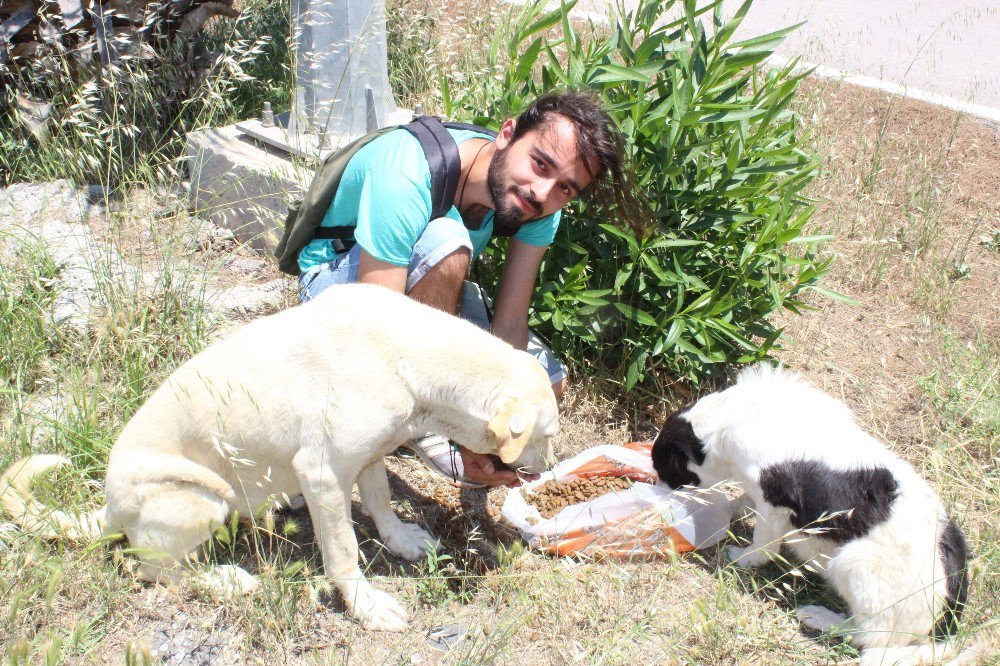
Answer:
x=241 y=300
x=98 y=194
x=248 y=266
x=181 y=642
x=42 y=416
x=80 y=257
x=8 y=532
x=33 y=205
x=208 y=237
x=446 y=637
x=49 y=215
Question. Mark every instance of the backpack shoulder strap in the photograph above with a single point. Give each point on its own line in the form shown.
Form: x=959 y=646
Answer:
x=443 y=160
x=470 y=127
x=442 y=156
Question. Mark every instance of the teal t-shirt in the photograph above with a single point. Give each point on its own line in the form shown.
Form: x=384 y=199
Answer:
x=386 y=194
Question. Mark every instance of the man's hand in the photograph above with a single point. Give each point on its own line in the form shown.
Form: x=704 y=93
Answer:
x=481 y=468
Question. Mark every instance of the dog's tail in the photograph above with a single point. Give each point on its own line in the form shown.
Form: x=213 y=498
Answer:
x=938 y=652
x=33 y=516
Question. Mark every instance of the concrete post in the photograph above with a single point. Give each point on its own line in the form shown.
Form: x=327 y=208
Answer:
x=340 y=52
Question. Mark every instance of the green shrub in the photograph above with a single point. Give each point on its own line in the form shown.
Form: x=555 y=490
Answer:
x=717 y=156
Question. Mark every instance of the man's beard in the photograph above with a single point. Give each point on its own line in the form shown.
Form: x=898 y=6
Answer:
x=507 y=214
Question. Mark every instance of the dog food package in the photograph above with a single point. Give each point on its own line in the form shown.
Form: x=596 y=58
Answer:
x=604 y=502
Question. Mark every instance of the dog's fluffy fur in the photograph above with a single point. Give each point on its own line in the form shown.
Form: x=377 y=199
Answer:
x=307 y=401
x=860 y=514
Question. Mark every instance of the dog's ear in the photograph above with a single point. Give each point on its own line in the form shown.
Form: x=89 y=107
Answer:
x=511 y=429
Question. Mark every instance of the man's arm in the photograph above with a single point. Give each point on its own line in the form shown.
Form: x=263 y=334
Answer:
x=517 y=284
x=382 y=273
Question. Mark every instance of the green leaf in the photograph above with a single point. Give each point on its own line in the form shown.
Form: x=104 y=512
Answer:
x=834 y=295
x=731 y=116
x=677 y=327
x=663 y=275
x=776 y=36
x=445 y=89
x=527 y=59
x=626 y=236
x=549 y=19
x=611 y=73
x=593 y=297
x=557 y=320
x=698 y=302
x=723 y=34
x=635 y=366
x=555 y=67
x=813 y=239
x=635 y=314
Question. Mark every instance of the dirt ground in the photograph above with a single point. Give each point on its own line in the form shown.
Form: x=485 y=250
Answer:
x=870 y=353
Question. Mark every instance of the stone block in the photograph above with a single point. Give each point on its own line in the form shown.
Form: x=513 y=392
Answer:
x=242 y=185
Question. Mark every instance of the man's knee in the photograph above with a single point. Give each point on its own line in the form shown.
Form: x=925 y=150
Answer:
x=558 y=388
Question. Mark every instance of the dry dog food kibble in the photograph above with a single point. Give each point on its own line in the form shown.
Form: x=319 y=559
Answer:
x=553 y=496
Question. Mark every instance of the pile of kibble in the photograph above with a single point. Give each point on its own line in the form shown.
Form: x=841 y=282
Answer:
x=553 y=496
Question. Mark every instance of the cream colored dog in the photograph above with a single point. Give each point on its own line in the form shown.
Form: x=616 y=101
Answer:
x=307 y=401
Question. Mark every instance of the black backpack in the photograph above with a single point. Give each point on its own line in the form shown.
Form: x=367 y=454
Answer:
x=302 y=224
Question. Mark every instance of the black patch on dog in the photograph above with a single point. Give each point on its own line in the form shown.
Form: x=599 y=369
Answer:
x=859 y=499
x=674 y=447
x=955 y=557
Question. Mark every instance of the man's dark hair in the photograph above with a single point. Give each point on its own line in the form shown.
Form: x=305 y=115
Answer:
x=598 y=140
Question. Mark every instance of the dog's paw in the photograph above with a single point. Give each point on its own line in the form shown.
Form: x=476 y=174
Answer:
x=820 y=618
x=748 y=557
x=379 y=611
x=227 y=581
x=409 y=541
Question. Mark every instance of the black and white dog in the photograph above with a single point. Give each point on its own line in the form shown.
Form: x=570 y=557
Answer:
x=857 y=512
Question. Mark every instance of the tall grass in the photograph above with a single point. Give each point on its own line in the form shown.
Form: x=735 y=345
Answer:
x=27 y=283
x=125 y=124
x=68 y=387
x=142 y=324
x=412 y=51
x=962 y=458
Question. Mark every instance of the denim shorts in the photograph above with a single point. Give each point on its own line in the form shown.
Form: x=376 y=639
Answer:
x=442 y=237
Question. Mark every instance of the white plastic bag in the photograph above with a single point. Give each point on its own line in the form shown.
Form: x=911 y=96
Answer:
x=644 y=520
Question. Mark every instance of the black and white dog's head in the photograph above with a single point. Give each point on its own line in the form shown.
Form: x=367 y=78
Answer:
x=678 y=452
